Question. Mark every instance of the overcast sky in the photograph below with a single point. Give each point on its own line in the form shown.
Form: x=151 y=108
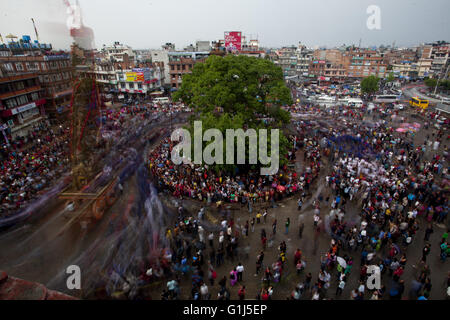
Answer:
x=150 y=23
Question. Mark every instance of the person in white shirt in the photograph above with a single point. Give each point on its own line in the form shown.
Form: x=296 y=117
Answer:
x=240 y=270
x=361 y=288
x=204 y=292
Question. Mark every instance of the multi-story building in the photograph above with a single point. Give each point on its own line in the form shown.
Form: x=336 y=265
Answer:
x=287 y=60
x=405 y=70
x=364 y=63
x=54 y=70
x=329 y=65
x=181 y=63
x=304 y=58
x=202 y=46
x=440 y=55
x=21 y=103
x=117 y=52
x=400 y=56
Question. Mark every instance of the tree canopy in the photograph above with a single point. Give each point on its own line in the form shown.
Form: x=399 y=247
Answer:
x=237 y=92
x=390 y=77
x=430 y=82
x=237 y=85
x=369 y=84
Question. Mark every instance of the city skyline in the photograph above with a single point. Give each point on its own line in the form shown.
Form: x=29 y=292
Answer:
x=276 y=24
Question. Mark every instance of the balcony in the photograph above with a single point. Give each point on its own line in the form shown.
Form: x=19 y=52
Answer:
x=19 y=92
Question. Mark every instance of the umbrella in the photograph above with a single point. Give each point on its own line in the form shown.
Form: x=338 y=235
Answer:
x=281 y=188
x=401 y=130
x=342 y=262
x=416 y=125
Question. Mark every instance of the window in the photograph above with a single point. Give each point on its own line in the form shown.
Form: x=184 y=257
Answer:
x=19 y=66
x=122 y=85
x=43 y=66
x=8 y=67
x=22 y=100
x=19 y=85
x=139 y=85
x=11 y=103
x=34 y=96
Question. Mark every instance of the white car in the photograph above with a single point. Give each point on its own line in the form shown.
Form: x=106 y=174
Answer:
x=399 y=107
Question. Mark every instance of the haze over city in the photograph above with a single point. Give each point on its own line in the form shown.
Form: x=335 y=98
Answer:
x=150 y=23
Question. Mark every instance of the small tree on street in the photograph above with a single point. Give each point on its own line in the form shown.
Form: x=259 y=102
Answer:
x=369 y=85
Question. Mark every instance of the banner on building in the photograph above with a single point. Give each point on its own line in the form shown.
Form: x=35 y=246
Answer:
x=233 y=40
x=143 y=74
x=131 y=76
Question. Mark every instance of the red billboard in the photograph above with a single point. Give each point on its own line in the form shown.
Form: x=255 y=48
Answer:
x=233 y=40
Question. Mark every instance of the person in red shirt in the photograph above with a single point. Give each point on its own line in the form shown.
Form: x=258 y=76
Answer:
x=241 y=293
x=265 y=295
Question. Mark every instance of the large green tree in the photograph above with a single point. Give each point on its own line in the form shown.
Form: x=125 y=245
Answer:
x=235 y=92
x=369 y=84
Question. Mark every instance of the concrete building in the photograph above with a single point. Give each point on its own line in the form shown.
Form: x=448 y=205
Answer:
x=329 y=66
x=304 y=58
x=286 y=58
x=117 y=52
x=181 y=63
x=202 y=46
x=54 y=70
x=364 y=63
x=21 y=103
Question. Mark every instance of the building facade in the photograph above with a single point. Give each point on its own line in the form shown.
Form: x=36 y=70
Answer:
x=22 y=101
x=54 y=70
x=181 y=63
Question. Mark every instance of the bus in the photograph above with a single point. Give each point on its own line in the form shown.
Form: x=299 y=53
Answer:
x=386 y=98
x=417 y=102
x=161 y=100
x=355 y=102
x=325 y=101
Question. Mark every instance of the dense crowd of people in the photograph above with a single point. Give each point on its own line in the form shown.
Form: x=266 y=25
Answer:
x=397 y=186
x=30 y=164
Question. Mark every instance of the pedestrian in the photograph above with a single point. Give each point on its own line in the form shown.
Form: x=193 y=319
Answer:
x=252 y=222
x=288 y=222
x=425 y=251
x=240 y=271
x=241 y=293
x=428 y=231
x=274 y=227
x=300 y=230
x=258 y=217
x=265 y=215
x=233 y=277
x=204 y=292
x=340 y=287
